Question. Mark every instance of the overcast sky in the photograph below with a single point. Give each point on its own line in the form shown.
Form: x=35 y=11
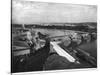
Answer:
x=29 y=12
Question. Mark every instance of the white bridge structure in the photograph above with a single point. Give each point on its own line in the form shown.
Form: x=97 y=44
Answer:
x=62 y=52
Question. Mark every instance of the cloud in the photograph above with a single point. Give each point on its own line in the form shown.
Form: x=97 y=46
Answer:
x=28 y=12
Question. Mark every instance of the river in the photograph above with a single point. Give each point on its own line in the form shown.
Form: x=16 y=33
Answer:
x=90 y=47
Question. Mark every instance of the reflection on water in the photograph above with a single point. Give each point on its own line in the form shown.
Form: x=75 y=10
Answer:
x=90 y=48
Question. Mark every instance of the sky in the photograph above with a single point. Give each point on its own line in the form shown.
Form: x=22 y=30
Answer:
x=30 y=12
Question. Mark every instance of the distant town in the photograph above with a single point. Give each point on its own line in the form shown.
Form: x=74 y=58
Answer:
x=88 y=27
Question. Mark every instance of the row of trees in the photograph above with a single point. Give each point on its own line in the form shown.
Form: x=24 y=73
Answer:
x=76 y=27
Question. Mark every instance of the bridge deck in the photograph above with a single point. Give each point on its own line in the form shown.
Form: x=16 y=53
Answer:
x=62 y=52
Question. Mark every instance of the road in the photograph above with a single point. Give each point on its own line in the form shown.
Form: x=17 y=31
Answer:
x=62 y=52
